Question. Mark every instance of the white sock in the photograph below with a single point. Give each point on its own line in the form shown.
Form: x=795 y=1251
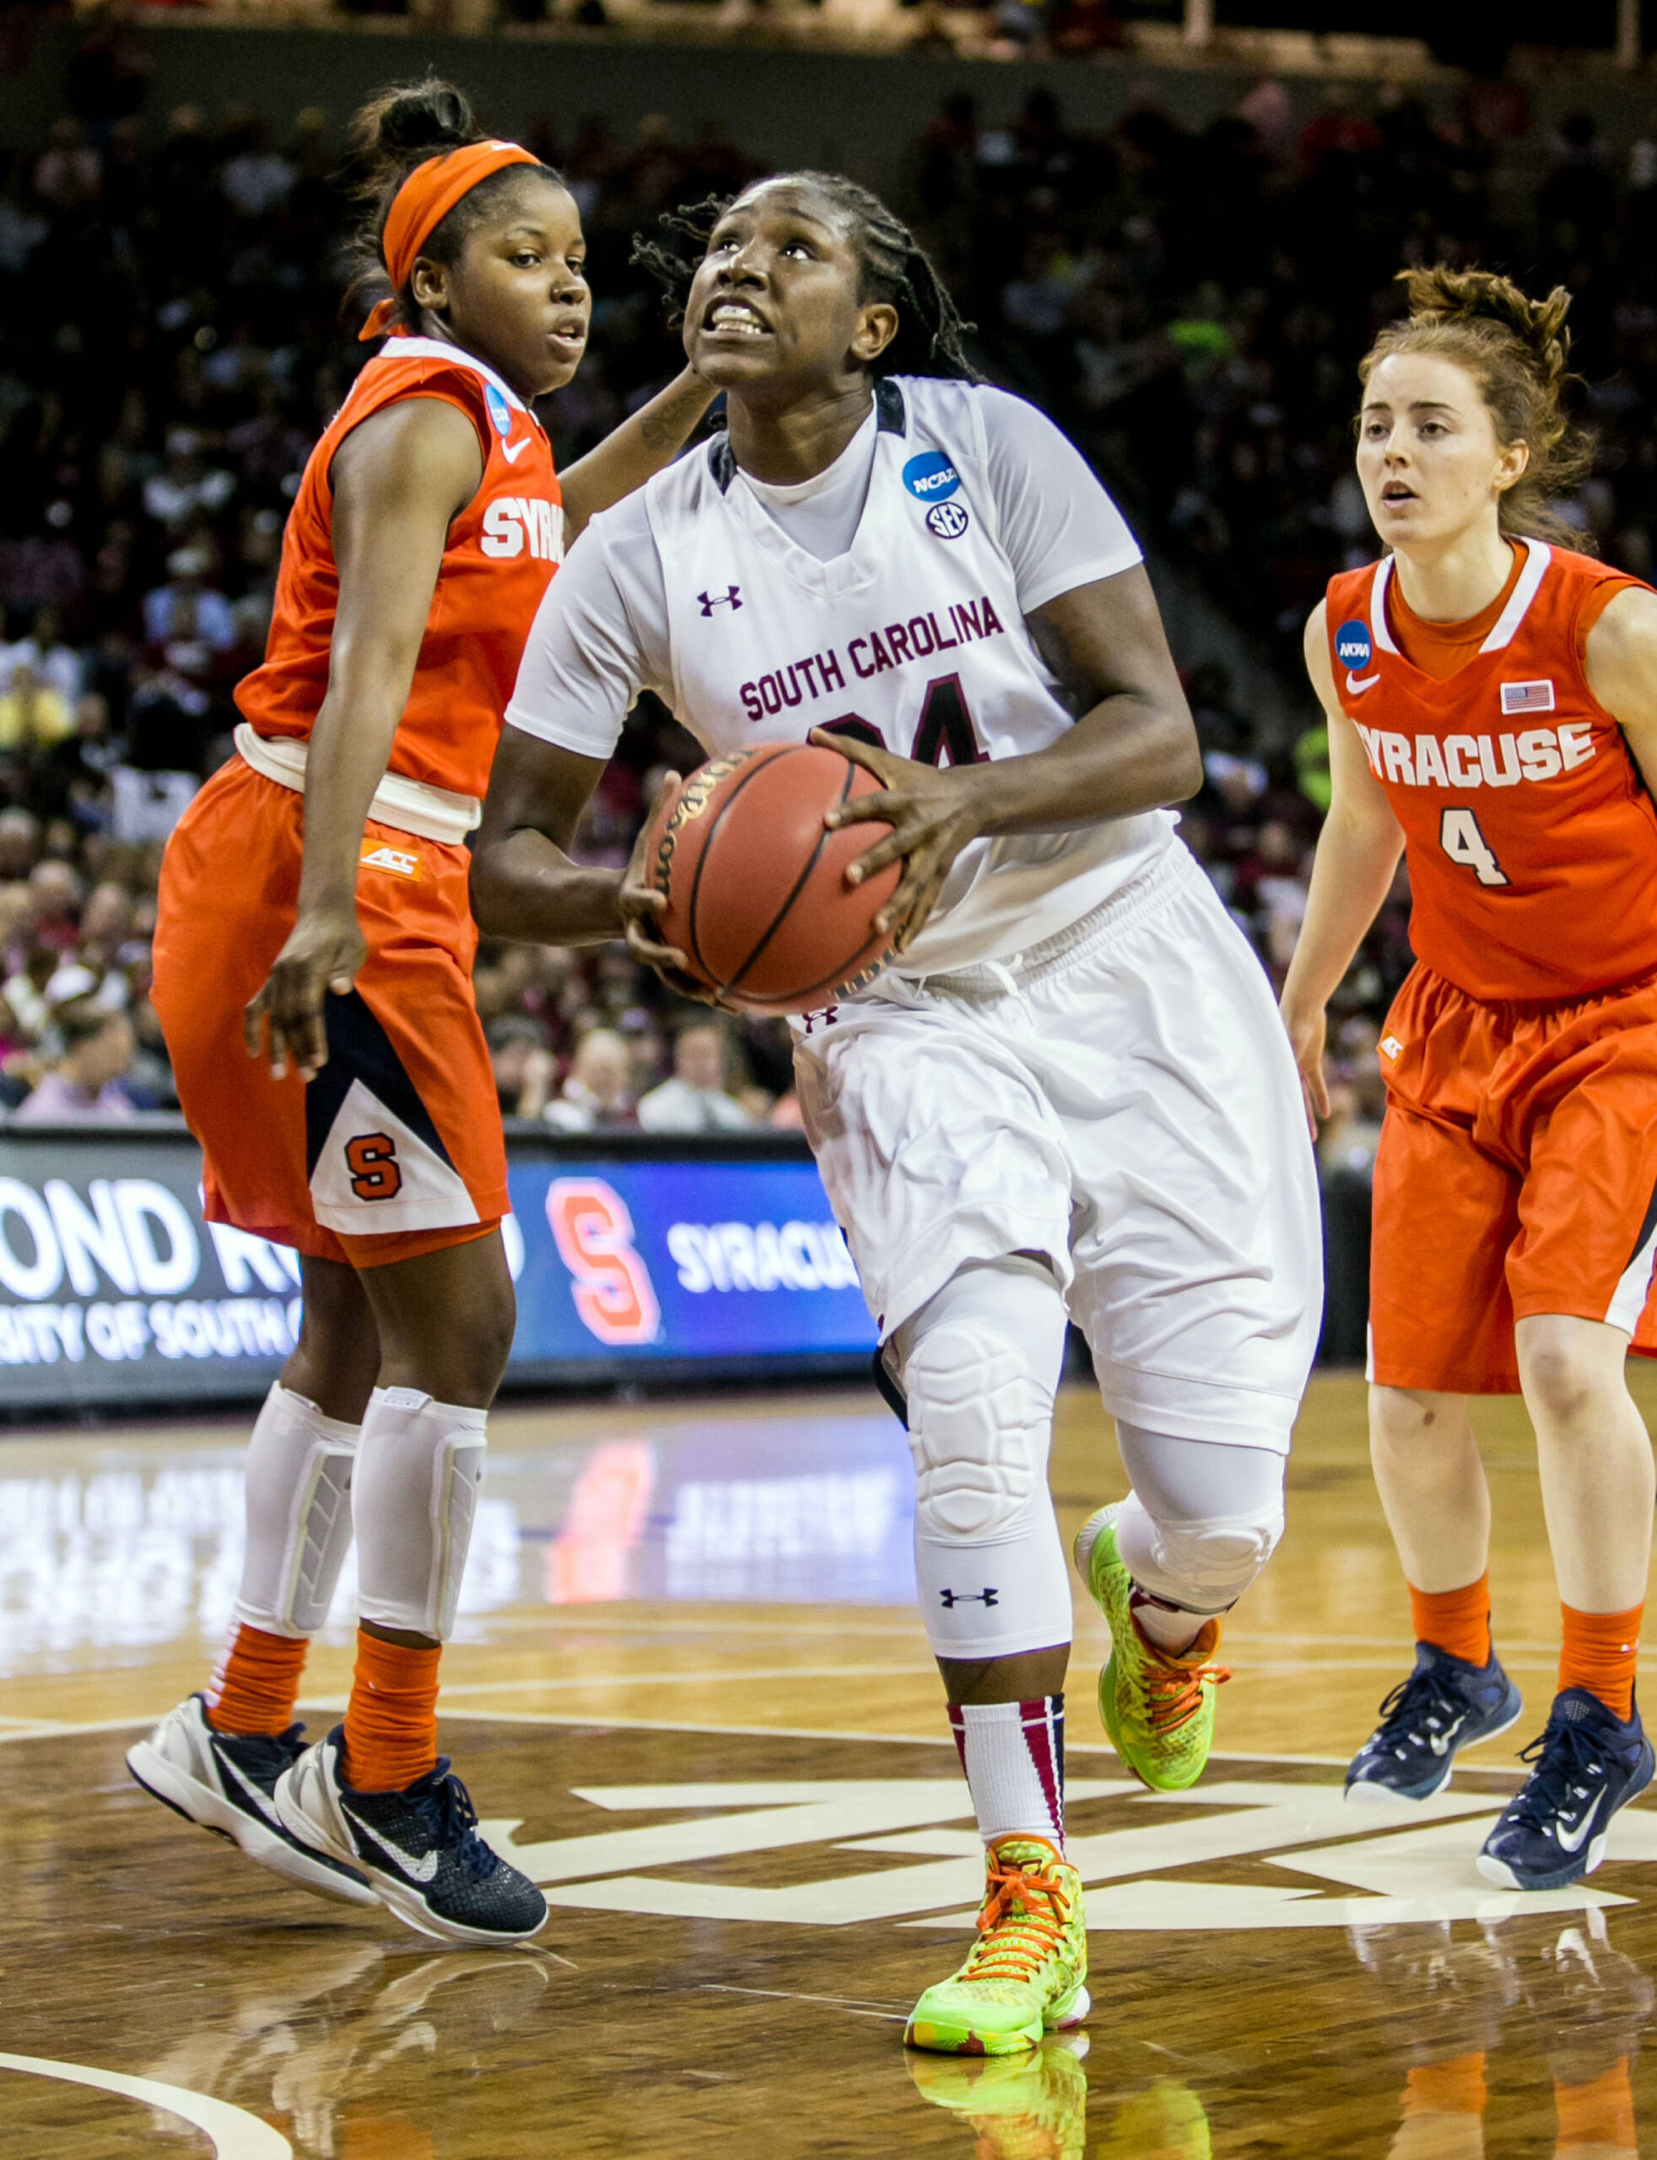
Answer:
x=1166 y=1626
x=1013 y=1756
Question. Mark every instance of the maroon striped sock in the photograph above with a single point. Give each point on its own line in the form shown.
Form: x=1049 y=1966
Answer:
x=1013 y=1757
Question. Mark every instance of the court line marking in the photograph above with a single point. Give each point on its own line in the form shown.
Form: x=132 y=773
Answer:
x=753 y=1732
x=669 y=1677
x=56 y=1728
x=837 y=2002
x=235 y=2134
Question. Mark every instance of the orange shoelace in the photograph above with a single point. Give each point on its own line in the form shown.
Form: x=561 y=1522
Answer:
x=1016 y=1935
x=1174 y=1693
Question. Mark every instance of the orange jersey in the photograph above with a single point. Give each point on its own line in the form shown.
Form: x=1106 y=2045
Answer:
x=1530 y=837
x=502 y=552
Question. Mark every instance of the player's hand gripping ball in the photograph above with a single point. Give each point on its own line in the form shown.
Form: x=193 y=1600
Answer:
x=755 y=883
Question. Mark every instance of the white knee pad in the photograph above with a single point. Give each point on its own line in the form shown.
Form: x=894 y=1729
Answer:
x=299 y=1469
x=980 y=1365
x=416 y=1496
x=980 y=1428
x=1203 y=1519
x=1202 y=1567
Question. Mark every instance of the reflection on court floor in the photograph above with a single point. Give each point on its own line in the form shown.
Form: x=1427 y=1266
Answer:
x=692 y=1694
x=132 y=1551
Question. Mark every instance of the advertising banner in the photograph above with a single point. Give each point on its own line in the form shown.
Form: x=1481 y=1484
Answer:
x=629 y=1253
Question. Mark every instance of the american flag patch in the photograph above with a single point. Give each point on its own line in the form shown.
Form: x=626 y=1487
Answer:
x=1527 y=697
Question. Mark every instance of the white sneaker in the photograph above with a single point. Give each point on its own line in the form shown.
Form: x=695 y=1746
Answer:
x=225 y=1782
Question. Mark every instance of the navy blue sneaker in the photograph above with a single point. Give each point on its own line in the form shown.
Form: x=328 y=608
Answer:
x=419 y=1848
x=1588 y=1764
x=1444 y=1706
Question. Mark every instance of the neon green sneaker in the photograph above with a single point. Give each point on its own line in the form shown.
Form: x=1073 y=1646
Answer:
x=1027 y=1969
x=1158 y=1708
x=1022 y=2107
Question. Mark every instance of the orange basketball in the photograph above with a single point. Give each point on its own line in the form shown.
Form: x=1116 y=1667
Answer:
x=756 y=883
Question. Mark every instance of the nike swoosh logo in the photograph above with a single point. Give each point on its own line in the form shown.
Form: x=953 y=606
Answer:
x=265 y=1807
x=1356 y=685
x=1440 y=1742
x=1573 y=1842
x=421 y=1870
x=512 y=451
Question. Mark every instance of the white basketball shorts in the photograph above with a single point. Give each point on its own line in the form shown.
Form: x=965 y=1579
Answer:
x=1121 y=1099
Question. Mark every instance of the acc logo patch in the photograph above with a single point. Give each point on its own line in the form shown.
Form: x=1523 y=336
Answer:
x=931 y=478
x=401 y=862
x=499 y=410
x=948 y=520
x=1353 y=646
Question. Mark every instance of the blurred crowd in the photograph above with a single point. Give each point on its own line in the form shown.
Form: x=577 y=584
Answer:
x=1189 y=304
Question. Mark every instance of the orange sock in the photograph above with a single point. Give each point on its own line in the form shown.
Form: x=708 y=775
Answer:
x=391 y=1719
x=257 y=1682
x=1455 y=2087
x=1599 y=2114
x=1455 y=1620
x=1599 y=1653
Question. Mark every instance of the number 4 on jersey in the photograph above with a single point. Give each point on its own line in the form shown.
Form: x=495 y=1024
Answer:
x=945 y=728
x=1462 y=841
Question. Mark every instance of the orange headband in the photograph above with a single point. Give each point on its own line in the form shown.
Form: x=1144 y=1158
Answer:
x=422 y=203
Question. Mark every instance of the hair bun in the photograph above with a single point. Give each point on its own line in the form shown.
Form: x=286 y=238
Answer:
x=1440 y=294
x=410 y=122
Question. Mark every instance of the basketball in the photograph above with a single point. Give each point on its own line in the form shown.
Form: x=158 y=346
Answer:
x=756 y=884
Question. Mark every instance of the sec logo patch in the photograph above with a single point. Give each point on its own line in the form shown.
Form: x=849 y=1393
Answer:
x=1354 y=648
x=948 y=520
x=931 y=478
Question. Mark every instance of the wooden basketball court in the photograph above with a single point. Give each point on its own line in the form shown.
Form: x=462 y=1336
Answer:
x=692 y=1698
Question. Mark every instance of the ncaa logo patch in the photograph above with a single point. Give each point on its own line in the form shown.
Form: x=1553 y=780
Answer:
x=948 y=520
x=499 y=410
x=931 y=478
x=1353 y=647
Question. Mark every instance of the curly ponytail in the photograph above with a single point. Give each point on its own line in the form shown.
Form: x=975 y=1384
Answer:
x=1518 y=352
x=399 y=128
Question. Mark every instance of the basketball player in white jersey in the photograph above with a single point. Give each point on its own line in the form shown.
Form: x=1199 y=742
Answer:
x=1069 y=1094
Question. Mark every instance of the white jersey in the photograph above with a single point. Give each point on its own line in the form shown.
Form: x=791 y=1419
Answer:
x=914 y=637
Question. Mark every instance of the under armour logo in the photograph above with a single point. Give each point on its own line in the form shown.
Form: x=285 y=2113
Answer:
x=952 y=1598
x=828 y=1014
x=731 y=597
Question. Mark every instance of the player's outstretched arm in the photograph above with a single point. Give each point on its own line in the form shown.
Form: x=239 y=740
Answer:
x=1621 y=663
x=525 y=883
x=645 y=442
x=1134 y=748
x=398 y=481
x=1357 y=854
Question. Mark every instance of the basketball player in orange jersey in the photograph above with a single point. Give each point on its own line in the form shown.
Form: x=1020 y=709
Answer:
x=1492 y=702
x=314 y=902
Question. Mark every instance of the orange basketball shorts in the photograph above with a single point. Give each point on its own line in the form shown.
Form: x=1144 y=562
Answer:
x=395 y=1148
x=1517 y=1174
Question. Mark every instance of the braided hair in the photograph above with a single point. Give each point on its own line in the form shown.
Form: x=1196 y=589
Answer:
x=399 y=128
x=1518 y=352
x=895 y=269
